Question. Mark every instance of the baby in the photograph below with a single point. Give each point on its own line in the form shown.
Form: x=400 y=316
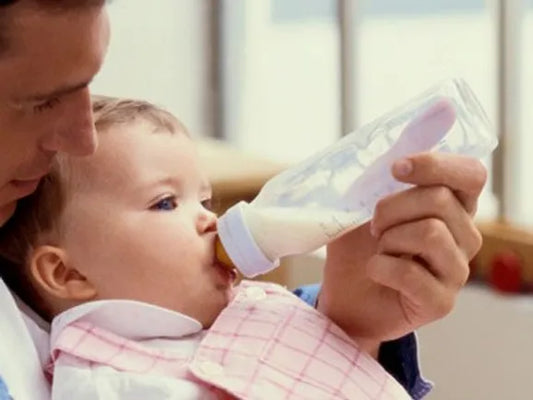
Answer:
x=118 y=251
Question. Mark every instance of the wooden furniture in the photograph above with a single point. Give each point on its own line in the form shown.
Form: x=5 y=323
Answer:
x=234 y=175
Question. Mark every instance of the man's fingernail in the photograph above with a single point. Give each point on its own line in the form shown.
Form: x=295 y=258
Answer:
x=403 y=167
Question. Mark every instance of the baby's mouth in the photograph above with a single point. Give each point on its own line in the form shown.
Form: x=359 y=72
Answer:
x=229 y=273
x=223 y=263
x=222 y=257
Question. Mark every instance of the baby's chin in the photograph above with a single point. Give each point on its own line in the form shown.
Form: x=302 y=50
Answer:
x=210 y=316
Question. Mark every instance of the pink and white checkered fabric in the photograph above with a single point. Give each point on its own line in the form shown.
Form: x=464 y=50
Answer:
x=267 y=344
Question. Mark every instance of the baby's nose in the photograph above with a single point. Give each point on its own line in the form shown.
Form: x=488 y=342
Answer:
x=207 y=221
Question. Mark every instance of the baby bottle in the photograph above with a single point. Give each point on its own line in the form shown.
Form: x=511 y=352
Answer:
x=336 y=190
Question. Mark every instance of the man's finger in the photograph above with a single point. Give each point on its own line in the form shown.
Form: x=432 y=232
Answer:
x=420 y=203
x=420 y=289
x=431 y=241
x=465 y=176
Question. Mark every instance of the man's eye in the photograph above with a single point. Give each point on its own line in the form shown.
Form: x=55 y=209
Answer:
x=207 y=204
x=47 y=105
x=167 y=204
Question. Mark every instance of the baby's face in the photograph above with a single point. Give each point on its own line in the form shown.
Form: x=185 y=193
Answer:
x=138 y=225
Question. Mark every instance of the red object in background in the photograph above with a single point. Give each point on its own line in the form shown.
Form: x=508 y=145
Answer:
x=506 y=272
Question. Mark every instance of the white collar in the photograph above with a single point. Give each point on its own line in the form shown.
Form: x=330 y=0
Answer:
x=131 y=319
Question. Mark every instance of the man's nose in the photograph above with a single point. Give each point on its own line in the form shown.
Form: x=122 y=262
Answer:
x=74 y=133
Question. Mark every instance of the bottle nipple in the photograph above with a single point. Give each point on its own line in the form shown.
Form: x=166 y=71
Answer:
x=222 y=256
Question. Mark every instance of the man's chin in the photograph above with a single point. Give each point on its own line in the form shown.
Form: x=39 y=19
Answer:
x=6 y=211
x=23 y=188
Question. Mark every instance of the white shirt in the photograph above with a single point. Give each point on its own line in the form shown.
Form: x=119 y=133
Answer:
x=20 y=365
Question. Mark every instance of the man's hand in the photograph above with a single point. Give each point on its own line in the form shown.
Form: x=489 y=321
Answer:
x=405 y=268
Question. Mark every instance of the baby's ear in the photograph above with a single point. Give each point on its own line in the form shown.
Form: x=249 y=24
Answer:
x=50 y=269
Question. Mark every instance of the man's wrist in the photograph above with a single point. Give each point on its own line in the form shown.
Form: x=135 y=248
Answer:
x=370 y=346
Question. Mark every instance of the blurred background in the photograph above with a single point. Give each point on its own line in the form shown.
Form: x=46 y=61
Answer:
x=275 y=80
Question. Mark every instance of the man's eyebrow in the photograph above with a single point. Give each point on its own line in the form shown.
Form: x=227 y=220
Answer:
x=57 y=93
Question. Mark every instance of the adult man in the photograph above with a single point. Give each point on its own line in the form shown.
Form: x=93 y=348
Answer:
x=49 y=52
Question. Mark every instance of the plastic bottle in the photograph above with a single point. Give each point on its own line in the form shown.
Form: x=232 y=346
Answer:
x=336 y=190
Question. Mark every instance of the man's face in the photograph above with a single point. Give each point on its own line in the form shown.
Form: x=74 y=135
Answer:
x=44 y=97
x=137 y=223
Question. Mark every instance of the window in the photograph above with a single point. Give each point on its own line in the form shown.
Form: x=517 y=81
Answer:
x=159 y=52
x=523 y=141
x=281 y=74
x=405 y=47
x=283 y=88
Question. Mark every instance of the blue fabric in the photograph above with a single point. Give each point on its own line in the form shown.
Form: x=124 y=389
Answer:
x=399 y=357
x=4 y=394
x=308 y=293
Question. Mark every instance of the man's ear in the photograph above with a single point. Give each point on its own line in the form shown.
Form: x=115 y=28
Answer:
x=49 y=268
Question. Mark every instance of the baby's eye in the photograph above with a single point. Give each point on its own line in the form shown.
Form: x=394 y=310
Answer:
x=168 y=203
x=207 y=204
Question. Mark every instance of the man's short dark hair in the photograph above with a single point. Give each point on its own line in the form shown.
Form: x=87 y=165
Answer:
x=46 y=5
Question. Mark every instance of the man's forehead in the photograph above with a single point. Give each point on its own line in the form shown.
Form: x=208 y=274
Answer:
x=53 y=53
x=18 y=16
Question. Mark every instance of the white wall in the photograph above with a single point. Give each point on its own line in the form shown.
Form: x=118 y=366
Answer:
x=282 y=82
x=483 y=350
x=159 y=52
